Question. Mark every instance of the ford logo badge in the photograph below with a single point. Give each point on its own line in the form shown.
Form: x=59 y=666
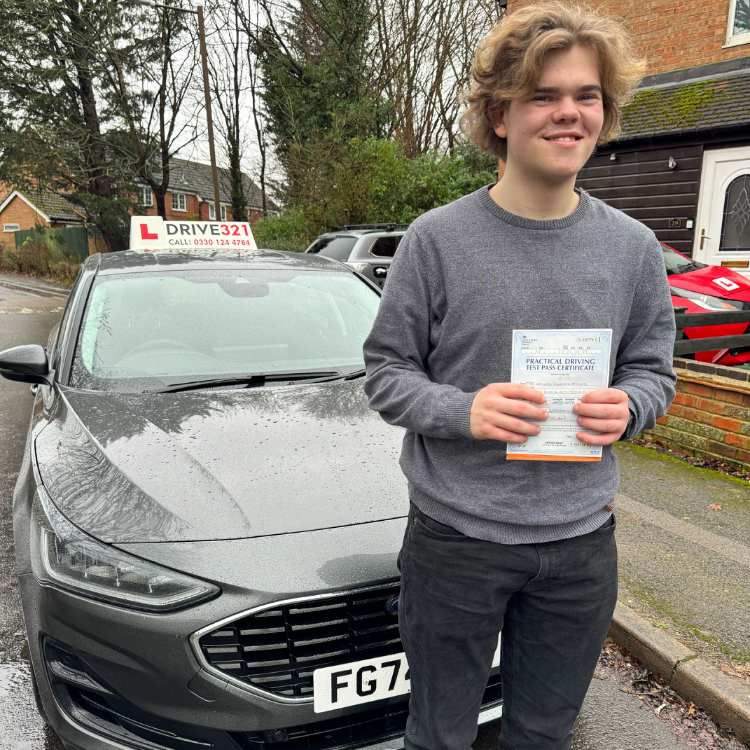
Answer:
x=391 y=606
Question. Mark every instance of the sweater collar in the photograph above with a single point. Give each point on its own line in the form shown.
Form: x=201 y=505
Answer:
x=520 y=221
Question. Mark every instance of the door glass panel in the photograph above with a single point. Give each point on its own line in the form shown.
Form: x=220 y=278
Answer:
x=735 y=230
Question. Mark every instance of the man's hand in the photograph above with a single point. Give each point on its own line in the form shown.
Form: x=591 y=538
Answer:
x=496 y=408
x=605 y=411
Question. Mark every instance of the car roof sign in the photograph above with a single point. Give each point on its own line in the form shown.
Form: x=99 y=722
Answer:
x=151 y=234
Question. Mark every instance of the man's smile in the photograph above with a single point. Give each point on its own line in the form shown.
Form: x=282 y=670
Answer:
x=564 y=138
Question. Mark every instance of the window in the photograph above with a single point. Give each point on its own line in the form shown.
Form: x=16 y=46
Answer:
x=338 y=248
x=739 y=23
x=11 y=227
x=735 y=230
x=385 y=247
x=212 y=212
x=145 y=196
x=179 y=202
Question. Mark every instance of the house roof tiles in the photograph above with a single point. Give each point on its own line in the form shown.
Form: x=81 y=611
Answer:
x=720 y=101
x=194 y=177
x=56 y=207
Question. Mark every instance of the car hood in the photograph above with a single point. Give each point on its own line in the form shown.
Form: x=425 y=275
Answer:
x=714 y=281
x=221 y=464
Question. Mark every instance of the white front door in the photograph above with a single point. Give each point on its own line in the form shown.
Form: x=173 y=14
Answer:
x=722 y=233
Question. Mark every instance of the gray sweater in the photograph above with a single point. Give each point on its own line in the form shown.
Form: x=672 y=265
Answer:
x=465 y=275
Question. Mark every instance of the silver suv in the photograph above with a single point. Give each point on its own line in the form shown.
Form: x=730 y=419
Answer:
x=367 y=248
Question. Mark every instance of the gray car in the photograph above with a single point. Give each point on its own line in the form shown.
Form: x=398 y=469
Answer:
x=367 y=248
x=208 y=514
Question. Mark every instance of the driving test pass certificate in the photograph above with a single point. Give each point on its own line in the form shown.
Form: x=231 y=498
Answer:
x=563 y=364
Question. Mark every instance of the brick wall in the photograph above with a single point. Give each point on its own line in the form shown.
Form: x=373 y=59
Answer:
x=19 y=212
x=674 y=34
x=710 y=415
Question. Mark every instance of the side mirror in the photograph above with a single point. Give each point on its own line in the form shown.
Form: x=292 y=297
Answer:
x=27 y=364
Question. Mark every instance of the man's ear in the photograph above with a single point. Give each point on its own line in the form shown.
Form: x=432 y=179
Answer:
x=496 y=114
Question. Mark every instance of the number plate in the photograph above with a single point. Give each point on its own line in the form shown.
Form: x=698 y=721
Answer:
x=360 y=682
x=364 y=681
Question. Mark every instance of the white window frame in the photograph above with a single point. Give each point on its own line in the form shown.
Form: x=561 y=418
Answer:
x=11 y=227
x=733 y=39
x=143 y=191
x=178 y=198
x=212 y=212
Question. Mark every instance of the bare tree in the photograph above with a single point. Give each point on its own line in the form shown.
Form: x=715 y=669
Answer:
x=149 y=75
x=227 y=75
x=424 y=51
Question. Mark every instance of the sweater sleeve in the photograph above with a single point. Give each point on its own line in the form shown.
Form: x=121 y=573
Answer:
x=643 y=367
x=397 y=384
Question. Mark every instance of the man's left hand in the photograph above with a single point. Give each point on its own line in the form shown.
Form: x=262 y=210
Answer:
x=605 y=411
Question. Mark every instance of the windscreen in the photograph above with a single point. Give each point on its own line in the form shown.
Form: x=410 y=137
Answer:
x=141 y=331
x=677 y=264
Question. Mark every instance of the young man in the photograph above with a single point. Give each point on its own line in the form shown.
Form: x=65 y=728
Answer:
x=523 y=546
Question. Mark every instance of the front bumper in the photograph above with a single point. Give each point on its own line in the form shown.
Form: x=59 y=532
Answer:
x=159 y=691
x=90 y=714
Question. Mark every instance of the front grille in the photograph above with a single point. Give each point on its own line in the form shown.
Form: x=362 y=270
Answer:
x=278 y=649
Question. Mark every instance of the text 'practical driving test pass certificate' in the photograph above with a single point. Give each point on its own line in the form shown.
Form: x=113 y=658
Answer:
x=563 y=364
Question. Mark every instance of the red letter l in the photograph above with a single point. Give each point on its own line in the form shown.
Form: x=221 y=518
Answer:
x=145 y=233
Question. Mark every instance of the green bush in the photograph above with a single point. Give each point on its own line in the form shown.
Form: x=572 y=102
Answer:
x=287 y=231
x=39 y=259
x=33 y=258
x=365 y=181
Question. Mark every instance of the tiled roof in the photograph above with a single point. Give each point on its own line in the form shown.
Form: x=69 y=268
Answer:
x=55 y=206
x=716 y=102
x=193 y=177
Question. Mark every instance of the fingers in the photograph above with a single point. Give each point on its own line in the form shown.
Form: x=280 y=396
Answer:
x=605 y=396
x=490 y=432
x=491 y=425
x=603 y=425
x=498 y=413
x=606 y=438
x=602 y=411
x=517 y=390
x=521 y=409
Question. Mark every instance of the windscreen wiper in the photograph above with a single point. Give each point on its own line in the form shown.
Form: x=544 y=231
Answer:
x=250 y=381
x=340 y=376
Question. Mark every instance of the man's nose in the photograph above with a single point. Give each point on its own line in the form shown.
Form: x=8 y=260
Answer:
x=566 y=109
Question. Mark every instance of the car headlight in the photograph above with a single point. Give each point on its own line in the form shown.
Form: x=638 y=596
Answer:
x=64 y=556
x=706 y=301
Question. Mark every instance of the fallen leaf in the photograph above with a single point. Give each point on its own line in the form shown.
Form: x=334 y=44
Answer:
x=715 y=506
x=691 y=710
x=657 y=711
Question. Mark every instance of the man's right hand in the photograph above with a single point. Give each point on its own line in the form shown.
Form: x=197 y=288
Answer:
x=496 y=409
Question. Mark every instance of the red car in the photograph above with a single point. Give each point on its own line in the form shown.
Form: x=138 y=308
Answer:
x=701 y=288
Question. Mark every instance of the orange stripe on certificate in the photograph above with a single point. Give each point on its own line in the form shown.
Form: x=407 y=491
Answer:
x=537 y=457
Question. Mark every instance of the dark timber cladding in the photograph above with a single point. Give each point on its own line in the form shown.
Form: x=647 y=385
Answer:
x=641 y=184
x=673 y=118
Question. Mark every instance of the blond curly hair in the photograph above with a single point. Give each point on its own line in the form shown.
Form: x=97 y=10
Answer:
x=509 y=60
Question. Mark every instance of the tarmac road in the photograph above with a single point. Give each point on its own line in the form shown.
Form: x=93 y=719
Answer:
x=25 y=318
x=610 y=719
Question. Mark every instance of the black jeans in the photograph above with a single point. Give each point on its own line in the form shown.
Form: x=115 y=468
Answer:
x=553 y=603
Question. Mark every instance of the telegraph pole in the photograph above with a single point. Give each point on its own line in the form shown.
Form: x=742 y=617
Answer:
x=209 y=120
x=206 y=90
